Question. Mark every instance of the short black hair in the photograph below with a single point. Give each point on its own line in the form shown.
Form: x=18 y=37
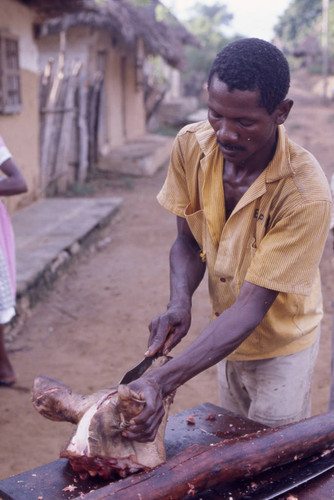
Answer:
x=254 y=64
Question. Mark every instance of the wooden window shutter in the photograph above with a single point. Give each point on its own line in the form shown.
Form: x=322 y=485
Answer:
x=10 y=81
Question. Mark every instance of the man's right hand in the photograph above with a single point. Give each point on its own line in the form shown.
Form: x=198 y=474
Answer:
x=168 y=329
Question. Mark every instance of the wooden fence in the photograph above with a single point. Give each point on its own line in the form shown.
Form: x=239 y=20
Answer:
x=69 y=118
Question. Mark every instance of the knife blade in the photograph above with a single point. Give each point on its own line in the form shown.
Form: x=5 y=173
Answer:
x=138 y=370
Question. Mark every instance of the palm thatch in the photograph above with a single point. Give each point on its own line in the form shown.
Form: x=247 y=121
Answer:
x=168 y=40
x=123 y=20
x=52 y=8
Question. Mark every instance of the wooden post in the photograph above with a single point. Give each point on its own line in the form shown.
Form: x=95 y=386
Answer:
x=66 y=123
x=325 y=4
x=50 y=132
x=93 y=116
x=82 y=128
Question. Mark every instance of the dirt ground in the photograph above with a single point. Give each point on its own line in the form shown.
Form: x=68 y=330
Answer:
x=92 y=326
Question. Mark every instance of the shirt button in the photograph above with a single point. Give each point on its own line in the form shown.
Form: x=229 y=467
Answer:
x=216 y=314
x=223 y=280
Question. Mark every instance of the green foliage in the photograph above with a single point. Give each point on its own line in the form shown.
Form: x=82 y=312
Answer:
x=140 y=3
x=207 y=24
x=298 y=20
x=163 y=14
x=304 y=18
x=331 y=26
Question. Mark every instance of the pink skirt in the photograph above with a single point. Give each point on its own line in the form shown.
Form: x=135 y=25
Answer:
x=7 y=267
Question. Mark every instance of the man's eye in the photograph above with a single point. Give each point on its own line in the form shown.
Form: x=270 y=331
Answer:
x=246 y=123
x=213 y=114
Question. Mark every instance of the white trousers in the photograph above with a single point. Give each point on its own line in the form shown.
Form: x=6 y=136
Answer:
x=273 y=391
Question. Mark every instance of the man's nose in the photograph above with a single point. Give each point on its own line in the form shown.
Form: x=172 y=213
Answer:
x=226 y=131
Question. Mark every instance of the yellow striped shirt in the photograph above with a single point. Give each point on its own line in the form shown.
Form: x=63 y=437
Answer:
x=274 y=237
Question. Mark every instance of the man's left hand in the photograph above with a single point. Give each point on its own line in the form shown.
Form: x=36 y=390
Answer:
x=144 y=426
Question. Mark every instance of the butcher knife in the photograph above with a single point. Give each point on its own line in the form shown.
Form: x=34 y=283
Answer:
x=138 y=370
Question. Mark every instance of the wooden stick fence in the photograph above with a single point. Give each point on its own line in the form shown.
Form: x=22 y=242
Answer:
x=69 y=117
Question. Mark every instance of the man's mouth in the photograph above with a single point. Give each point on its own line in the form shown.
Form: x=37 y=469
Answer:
x=230 y=147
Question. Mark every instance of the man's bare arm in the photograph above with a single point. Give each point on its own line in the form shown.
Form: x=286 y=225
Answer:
x=186 y=273
x=221 y=337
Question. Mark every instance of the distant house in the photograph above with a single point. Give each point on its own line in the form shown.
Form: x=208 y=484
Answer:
x=19 y=84
x=19 y=110
x=308 y=50
x=72 y=83
x=104 y=48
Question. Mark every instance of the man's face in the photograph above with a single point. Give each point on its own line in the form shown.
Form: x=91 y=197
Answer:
x=245 y=132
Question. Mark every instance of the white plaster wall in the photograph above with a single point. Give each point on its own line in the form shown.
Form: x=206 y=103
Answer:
x=115 y=100
x=123 y=115
x=79 y=44
x=21 y=130
x=173 y=76
x=19 y=19
x=134 y=103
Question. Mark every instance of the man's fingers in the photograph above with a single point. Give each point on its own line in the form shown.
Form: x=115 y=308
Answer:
x=159 y=328
x=144 y=428
x=151 y=351
x=141 y=434
x=173 y=339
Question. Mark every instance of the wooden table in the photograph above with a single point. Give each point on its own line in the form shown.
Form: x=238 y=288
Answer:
x=53 y=481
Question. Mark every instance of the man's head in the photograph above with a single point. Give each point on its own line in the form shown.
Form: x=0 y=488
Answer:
x=254 y=64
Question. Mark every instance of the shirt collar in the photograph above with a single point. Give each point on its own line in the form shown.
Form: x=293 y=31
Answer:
x=280 y=166
x=206 y=138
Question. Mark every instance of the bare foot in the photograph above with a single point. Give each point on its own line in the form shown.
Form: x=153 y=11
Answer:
x=7 y=375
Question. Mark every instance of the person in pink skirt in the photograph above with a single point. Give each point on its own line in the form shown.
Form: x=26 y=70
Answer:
x=11 y=183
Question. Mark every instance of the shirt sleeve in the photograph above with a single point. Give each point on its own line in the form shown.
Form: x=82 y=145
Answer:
x=288 y=257
x=4 y=151
x=174 y=195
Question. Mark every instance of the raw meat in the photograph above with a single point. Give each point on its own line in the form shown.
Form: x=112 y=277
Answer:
x=97 y=446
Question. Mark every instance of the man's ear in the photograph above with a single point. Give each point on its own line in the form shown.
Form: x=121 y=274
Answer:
x=282 y=111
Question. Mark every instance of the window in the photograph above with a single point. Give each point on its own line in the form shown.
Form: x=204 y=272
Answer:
x=10 y=86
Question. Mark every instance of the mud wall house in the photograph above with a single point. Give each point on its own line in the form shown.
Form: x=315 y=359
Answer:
x=19 y=116
x=111 y=100
x=19 y=87
x=103 y=47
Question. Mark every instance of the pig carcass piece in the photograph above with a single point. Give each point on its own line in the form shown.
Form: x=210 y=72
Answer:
x=97 y=446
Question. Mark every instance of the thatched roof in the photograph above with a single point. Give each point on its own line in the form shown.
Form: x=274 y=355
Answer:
x=127 y=22
x=51 y=8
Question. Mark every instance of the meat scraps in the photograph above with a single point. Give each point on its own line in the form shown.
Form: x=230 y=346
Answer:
x=97 y=446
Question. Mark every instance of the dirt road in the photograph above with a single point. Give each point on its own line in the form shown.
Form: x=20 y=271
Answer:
x=93 y=325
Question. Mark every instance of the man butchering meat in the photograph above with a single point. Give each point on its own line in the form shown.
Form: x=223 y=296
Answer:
x=253 y=209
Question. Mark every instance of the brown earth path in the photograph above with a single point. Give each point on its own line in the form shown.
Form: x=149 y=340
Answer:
x=93 y=325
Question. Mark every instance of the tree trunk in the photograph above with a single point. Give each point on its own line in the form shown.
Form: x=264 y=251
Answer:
x=200 y=467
